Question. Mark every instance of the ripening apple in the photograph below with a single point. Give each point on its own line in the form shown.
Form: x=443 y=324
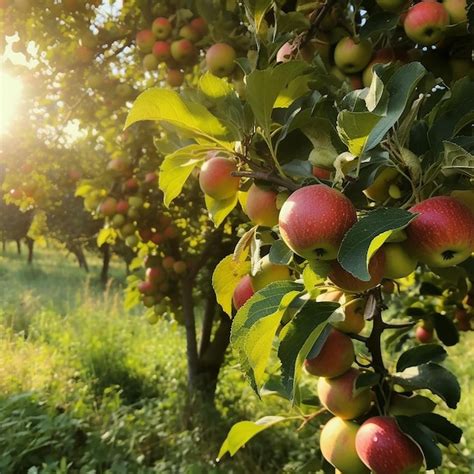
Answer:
x=150 y=62
x=220 y=59
x=243 y=291
x=335 y=357
x=261 y=206
x=161 y=28
x=145 y=234
x=183 y=51
x=145 y=41
x=378 y=190
x=307 y=225
x=337 y=443
x=146 y=288
x=398 y=262
x=268 y=272
x=108 y=206
x=189 y=33
x=155 y=275
x=175 y=77
x=457 y=10
x=391 y=5
x=384 y=449
x=426 y=22
x=423 y=334
x=347 y=282
x=442 y=235
x=200 y=25
x=340 y=397
x=180 y=267
x=351 y=56
x=215 y=178
x=161 y=50
x=122 y=207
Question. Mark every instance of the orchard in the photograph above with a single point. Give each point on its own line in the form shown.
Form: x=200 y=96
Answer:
x=290 y=183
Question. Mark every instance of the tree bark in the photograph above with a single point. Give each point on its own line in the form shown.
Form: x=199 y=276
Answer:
x=18 y=246
x=207 y=322
x=30 y=243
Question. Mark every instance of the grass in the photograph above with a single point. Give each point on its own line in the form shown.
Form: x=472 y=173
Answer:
x=87 y=387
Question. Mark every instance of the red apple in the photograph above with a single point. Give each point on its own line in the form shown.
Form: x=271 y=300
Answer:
x=335 y=358
x=308 y=224
x=220 y=59
x=261 y=206
x=215 y=178
x=426 y=22
x=146 y=288
x=200 y=25
x=108 y=206
x=155 y=275
x=346 y=281
x=384 y=449
x=423 y=334
x=321 y=173
x=145 y=41
x=122 y=207
x=243 y=291
x=161 y=50
x=443 y=233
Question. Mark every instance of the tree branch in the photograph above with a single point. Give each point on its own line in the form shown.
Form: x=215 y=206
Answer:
x=267 y=176
x=208 y=319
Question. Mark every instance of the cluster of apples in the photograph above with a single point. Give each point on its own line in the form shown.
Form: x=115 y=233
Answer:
x=179 y=48
x=425 y=23
x=157 y=288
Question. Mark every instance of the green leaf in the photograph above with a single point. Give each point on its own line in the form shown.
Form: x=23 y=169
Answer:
x=366 y=236
x=244 y=431
x=457 y=160
x=400 y=87
x=354 y=128
x=424 y=439
x=219 y=209
x=264 y=86
x=320 y=134
x=280 y=254
x=379 y=22
x=367 y=379
x=255 y=325
x=214 y=87
x=444 y=429
x=168 y=106
x=421 y=355
x=256 y=10
x=445 y=329
x=177 y=167
x=433 y=377
x=295 y=89
x=226 y=277
x=300 y=335
x=106 y=236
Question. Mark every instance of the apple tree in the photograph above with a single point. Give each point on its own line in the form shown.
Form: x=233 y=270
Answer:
x=352 y=158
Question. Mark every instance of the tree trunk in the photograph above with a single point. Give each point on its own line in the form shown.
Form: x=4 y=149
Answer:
x=4 y=245
x=18 y=246
x=104 y=274
x=30 y=243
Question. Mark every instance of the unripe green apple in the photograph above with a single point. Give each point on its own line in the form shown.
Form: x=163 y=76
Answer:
x=183 y=51
x=150 y=62
x=398 y=262
x=442 y=235
x=347 y=282
x=261 y=206
x=135 y=201
x=128 y=229
x=378 y=190
x=383 y=448
x=306 y=225
x=215 y=178
x=337 y=443
x=180 y=267
x=351 y=56
x=426 y=22
x=457 y=10
x=145 y=41
x=118 y=220
x=161 y=28
x=267 y=273
x=335 y=357
x=148 y=301
x=132 y=241
x=189 y=33
x=243 y=291
x=465 y=196
x=220 y=59
x=340 y=396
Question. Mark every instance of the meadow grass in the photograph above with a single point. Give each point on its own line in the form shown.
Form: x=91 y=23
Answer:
x=86 y=386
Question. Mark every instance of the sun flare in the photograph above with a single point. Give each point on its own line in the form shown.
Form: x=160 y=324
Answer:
x=10 y=95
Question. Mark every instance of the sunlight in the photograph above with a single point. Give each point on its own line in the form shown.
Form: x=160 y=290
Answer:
x=10 y=95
